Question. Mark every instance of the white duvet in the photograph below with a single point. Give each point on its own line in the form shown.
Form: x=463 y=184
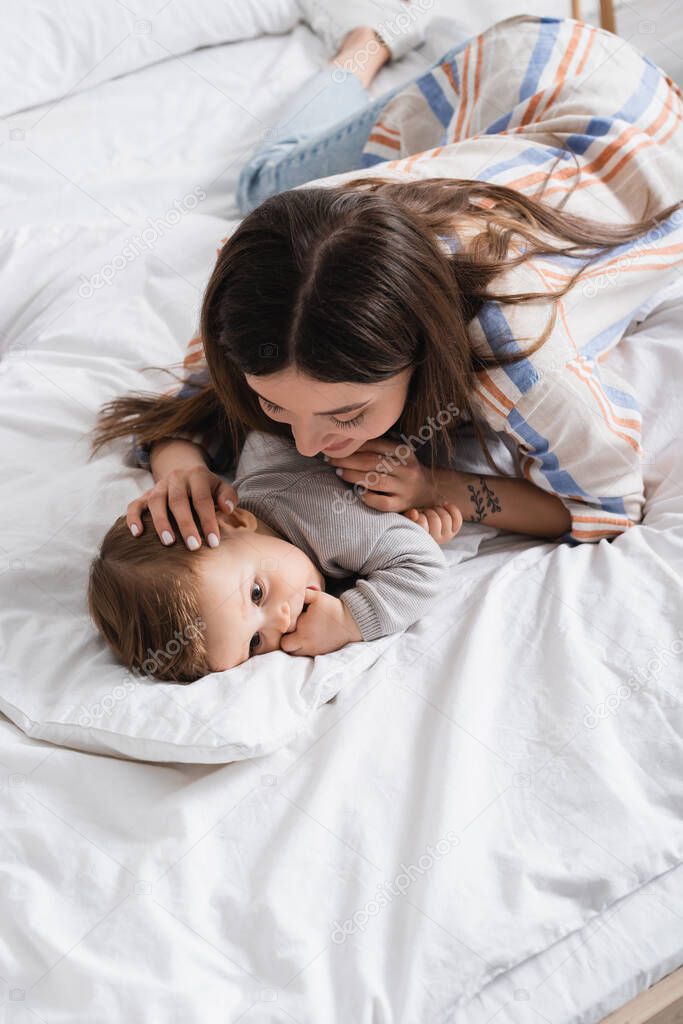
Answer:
x=501 y=772
x=488 y=783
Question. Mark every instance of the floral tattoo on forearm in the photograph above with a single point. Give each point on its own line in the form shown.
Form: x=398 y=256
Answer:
x=483 y=499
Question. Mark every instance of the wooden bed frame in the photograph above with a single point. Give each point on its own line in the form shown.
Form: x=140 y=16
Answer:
x=661 y=1004
x=607 y=19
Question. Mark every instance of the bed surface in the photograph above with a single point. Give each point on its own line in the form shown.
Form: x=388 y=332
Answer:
x=107 y=916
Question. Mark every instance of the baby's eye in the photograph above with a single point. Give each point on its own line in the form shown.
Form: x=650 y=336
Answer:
x=255 y=642
x=256 y=593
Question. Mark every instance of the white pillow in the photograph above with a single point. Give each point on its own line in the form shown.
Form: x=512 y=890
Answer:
x=64 y=354
x=49 y=50
x=87 y=701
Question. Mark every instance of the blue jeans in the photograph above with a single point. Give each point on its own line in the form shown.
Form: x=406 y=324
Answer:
x=321 y=131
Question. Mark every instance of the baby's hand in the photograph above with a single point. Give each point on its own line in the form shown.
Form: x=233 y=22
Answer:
x=325 y=625
x=441 y=523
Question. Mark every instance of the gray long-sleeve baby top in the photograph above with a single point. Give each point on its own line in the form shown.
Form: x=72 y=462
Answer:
x=401 y=569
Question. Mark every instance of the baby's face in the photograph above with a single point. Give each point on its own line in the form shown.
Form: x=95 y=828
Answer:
x=251 y=590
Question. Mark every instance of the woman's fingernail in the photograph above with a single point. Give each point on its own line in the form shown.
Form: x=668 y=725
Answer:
x=167 y=537
x=213 y=540
x=192 y=543
x=230 y=505
x=134 y=529
x=326 y=458
x=339 y=472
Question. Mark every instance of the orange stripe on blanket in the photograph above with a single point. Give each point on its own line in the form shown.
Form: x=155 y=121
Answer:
x=477 y=83
x=194 y=351
x=606 y=410
x=626 y=159
x=594 y=534
x=410 y=163
x=488 y=402
x=651 y=131
x=577 y=34
x=560 y=303
x=386 y=128
x=666 y=250
x=448 y=72
x=596 y=165
x=494 y=390
x=593 y=32
x=384 y=140
x=634 y=268
x=634 y=425
x=613 y=521
x=563 y=316
x=195 y=357
x=463 y=100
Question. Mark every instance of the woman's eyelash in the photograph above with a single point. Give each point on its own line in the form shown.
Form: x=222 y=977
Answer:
x=355 y=422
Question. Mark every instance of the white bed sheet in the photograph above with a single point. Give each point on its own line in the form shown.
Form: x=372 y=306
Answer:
x=104 y=855
x=131 y=147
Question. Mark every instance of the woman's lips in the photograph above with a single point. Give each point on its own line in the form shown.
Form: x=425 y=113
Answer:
x=336 y=447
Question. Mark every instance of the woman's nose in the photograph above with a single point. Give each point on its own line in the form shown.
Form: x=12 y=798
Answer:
x=308 y=442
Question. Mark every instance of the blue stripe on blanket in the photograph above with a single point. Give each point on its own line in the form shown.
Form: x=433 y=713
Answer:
x=547 y=34
x=559 y=479
x=370 y=159
x=533 y=155
x=605 y=339
x=436 y=98
x=499 y=336
x=638 y=103
x=630 y=112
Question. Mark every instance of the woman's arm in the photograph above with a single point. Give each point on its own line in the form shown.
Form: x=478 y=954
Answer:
x=208 y=441
x=504 y=502
x=172 y=453
x=508 y=503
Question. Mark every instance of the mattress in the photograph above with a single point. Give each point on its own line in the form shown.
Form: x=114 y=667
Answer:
x=108 y=914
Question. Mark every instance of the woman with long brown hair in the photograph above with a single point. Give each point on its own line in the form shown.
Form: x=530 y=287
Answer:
x=520 y=201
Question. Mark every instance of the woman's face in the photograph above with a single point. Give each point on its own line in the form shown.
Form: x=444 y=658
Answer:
x=331 y=418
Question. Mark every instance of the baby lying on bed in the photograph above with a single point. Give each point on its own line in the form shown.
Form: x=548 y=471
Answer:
x=178 y=615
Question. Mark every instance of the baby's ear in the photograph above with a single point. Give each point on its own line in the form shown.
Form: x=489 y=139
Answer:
x=236 y=521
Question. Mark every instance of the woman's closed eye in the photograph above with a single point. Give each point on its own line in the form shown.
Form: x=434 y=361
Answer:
x=347 y=424
x=275 y=410
x=271 y=407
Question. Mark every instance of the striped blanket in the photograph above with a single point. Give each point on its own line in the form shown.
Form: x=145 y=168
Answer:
x=505 y=107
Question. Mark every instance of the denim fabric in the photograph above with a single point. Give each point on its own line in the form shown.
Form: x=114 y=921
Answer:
x=321 y=131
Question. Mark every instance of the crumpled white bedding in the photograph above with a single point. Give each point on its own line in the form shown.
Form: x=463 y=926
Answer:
x=486 y=781
x=516 y=756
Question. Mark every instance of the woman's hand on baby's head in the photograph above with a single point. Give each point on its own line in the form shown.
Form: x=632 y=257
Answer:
x=441 y=522
x=324 y=626
x=206 y=491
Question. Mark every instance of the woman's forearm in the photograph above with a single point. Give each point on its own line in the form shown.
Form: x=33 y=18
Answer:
x=504 y=502
x=174 y=453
